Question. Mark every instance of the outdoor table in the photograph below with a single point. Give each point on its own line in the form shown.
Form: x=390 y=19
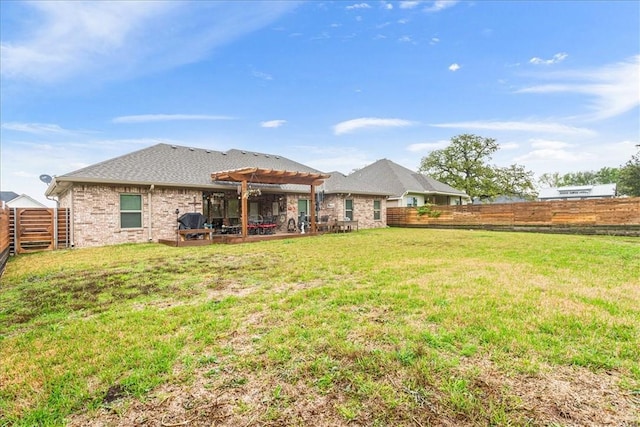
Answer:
x=231 y=229
x=344 y=226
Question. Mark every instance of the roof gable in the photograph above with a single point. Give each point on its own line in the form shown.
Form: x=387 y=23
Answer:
x=339 y=183
x=398 y=180
x=24 y=201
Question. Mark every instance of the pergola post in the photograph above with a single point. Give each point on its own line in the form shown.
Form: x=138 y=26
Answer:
x=271 y=176
x=245 y=216
x=313 y=209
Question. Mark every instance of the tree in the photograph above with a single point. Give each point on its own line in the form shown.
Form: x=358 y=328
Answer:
x=629 y=177
x=608 y=175
x=464 y=165
x=516 y=181
x=605 y=175
x=551 y=179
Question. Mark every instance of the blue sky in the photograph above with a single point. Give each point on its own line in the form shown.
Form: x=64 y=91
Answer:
x=334 y=85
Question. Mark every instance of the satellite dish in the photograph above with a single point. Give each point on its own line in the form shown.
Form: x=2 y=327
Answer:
x=45 y=178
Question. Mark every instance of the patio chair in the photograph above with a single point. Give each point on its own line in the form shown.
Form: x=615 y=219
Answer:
x=192 y=221
x=323 y=225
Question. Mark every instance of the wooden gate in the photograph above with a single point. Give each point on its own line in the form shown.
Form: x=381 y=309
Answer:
x=39 y=229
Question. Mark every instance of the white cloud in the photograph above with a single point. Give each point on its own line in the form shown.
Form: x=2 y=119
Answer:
x=145 y=118
x=433 y=6
x=368 y=122
x=408 y=4
x=331 y=158
x=434 y=40
x=550 y=155
x=454 y=67
x=427 y=146
x=358 y=6
x=405 y=39
x=509 y=146
x=614 y=88
x=387 y=6
x=109 y=40
x=273 y=123
x=37 y=128
x=547 y=127
x=549 y=144
x=261 y=75
x=553 y=150
x=558 y=57
x=439 y=5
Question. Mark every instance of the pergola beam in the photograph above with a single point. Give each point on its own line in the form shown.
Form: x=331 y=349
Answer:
x=271 y=176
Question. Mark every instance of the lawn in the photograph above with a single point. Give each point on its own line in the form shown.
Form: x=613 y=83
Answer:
x=388 y=327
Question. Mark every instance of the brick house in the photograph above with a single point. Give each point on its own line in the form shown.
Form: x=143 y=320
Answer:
x=137 y=197
x=409 y=188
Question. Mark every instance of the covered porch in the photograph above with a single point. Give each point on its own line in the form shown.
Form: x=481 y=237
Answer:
x=255 y=209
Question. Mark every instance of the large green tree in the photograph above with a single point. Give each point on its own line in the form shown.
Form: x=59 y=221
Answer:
x=464 y=164
x=606 y=175
x=629 y=177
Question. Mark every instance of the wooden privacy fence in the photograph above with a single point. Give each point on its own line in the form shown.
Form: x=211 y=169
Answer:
x=25 y=230
x=597 y=216
x=5 y=239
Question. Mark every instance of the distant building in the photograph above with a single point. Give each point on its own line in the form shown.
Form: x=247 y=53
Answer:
x=15 y=200
x=409 y=188
x=578 y=192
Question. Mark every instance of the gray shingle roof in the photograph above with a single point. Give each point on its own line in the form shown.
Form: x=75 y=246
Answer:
x=7 y=196
x=397 y=180
x=172 y=165
x=177 y=165
x=340 y=183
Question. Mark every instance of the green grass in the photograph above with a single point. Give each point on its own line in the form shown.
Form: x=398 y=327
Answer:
x=379 y=327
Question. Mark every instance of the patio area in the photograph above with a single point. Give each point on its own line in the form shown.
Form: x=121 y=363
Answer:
x=208 y=237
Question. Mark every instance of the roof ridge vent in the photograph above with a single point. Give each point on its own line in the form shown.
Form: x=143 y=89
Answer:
x=174 y=147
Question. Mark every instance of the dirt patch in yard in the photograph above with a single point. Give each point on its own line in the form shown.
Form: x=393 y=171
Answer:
x=564 y=396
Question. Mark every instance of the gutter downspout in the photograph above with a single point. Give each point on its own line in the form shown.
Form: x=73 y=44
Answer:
x=73 y=217
x=151 y=188
x=402 y=201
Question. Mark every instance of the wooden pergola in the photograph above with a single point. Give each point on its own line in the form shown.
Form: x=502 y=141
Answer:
x=270 y=176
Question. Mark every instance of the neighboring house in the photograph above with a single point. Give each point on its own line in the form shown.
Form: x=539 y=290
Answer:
x=499 y=200
x=137 y=197
x=409 y=188
x=578 y=192
x=14 y=200
x=344 y=195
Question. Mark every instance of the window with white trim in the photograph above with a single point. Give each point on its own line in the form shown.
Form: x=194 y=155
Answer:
x=376 y=210
x=130 y=211
x=348 y=209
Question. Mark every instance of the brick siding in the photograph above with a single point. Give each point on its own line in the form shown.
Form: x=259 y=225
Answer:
x=95 y=212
